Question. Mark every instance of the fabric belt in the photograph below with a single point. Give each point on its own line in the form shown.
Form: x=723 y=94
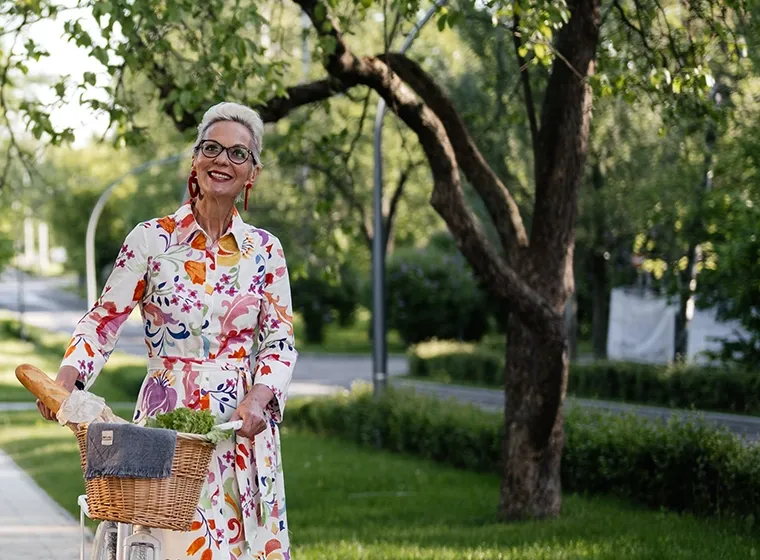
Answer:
x=182 y=363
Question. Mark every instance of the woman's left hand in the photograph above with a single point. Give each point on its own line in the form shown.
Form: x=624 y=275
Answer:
x=251 y=411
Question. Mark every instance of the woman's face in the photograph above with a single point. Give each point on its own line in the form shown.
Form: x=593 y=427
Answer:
x=219 y=177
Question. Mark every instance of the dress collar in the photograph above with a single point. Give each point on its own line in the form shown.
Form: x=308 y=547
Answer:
x=187 y=225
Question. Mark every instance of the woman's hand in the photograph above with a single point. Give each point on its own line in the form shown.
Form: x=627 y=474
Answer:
x=66 y=378
x=251 y=411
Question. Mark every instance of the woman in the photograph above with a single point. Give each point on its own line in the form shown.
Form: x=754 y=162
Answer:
x=215 y=301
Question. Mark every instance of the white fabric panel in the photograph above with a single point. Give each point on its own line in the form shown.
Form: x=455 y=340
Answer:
x=641 y=327
x=706 y=333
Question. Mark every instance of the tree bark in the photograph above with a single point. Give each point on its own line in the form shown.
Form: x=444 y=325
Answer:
x=537 y=365
x=535 y=385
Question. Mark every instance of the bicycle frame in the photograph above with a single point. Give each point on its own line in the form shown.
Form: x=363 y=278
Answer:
x=127 y=537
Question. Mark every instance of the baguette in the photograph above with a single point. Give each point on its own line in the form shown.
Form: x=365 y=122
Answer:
x=41 y=386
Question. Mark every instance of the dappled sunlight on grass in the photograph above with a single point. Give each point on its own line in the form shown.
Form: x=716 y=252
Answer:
x=352 y=503
x=345 y=502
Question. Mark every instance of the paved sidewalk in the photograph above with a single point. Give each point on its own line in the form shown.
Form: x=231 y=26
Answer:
x=32 y=525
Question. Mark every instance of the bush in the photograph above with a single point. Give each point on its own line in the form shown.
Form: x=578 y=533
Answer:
x=434 y=295
x=449 y=361
x=679 y=466
x=321 y=300
x=705 y=388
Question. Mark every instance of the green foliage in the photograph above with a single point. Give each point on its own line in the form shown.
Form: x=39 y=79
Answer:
x=403 y=422
x=6 y=249
x=434 y=295
x=728 y=389
x=722 y=389
x=336 y=488
x=450 y=361
x=321 y=300
x=68 y=215
x=184 y=420
x=731 y=263
x=679 y=466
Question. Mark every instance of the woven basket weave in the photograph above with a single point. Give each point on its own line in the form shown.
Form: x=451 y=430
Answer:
x=161 y=503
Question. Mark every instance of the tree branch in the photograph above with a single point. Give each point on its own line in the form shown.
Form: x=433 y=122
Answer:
x=565 y=121
x=447 y=197
x=390 y=217
x=350 y=195
x=527 y=92
x=297 y=96
x=637 y=30
x=501 y=206
x=271 y=111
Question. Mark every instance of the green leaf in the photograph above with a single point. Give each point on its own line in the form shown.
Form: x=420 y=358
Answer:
x=540 y=50
x=320 y=12
x=101 y=55
x=454 y=18
x=442 y=22
x=90 y=78
x=677 y=82
x=329 y=44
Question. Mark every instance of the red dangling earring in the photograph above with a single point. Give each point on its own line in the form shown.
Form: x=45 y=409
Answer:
x=247 y=190
x=192 y=184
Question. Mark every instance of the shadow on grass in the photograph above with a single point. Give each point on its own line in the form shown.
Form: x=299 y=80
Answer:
x=352 y=503
x=346 y=502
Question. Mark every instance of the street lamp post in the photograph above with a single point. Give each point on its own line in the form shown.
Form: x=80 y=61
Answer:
x=92 y=286
x=379 y=341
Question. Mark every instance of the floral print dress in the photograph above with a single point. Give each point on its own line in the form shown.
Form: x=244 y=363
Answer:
x=218 y=320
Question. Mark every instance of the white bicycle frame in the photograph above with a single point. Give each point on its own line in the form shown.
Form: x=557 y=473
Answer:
x=128 y=536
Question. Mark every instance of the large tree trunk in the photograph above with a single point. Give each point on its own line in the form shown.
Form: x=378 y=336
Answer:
x=537 y=364
x=535 y=384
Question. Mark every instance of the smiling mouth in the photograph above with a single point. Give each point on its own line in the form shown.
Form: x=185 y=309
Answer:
x=219 y=176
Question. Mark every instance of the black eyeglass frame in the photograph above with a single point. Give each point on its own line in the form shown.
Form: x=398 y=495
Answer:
x=199 y=148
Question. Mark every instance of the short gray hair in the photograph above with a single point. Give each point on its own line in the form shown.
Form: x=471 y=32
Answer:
x=228 y=111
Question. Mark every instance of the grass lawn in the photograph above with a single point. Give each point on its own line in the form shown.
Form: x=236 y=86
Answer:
x=118 y=382
x=351 y=503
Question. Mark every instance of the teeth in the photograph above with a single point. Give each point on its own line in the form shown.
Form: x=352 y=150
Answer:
x=222 y=176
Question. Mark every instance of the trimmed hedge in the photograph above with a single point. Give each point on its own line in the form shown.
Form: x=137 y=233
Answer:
x=679 y=466
x=704 y=388
x=451 y=361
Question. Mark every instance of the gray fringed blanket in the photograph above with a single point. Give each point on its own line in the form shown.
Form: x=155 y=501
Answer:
x=129 y=451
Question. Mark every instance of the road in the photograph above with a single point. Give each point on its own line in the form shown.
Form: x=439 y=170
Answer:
x=49 y=305
x=493 y=400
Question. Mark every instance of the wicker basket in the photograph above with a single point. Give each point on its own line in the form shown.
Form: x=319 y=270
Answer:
x=161 y=503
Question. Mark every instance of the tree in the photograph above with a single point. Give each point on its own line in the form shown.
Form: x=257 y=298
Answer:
x=730 y=265
x=195 y=53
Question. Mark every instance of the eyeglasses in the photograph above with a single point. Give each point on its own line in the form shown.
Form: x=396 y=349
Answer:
x=238 y=154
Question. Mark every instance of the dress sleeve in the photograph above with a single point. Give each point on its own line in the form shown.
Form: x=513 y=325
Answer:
x=96 y=333
x=276 y=355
